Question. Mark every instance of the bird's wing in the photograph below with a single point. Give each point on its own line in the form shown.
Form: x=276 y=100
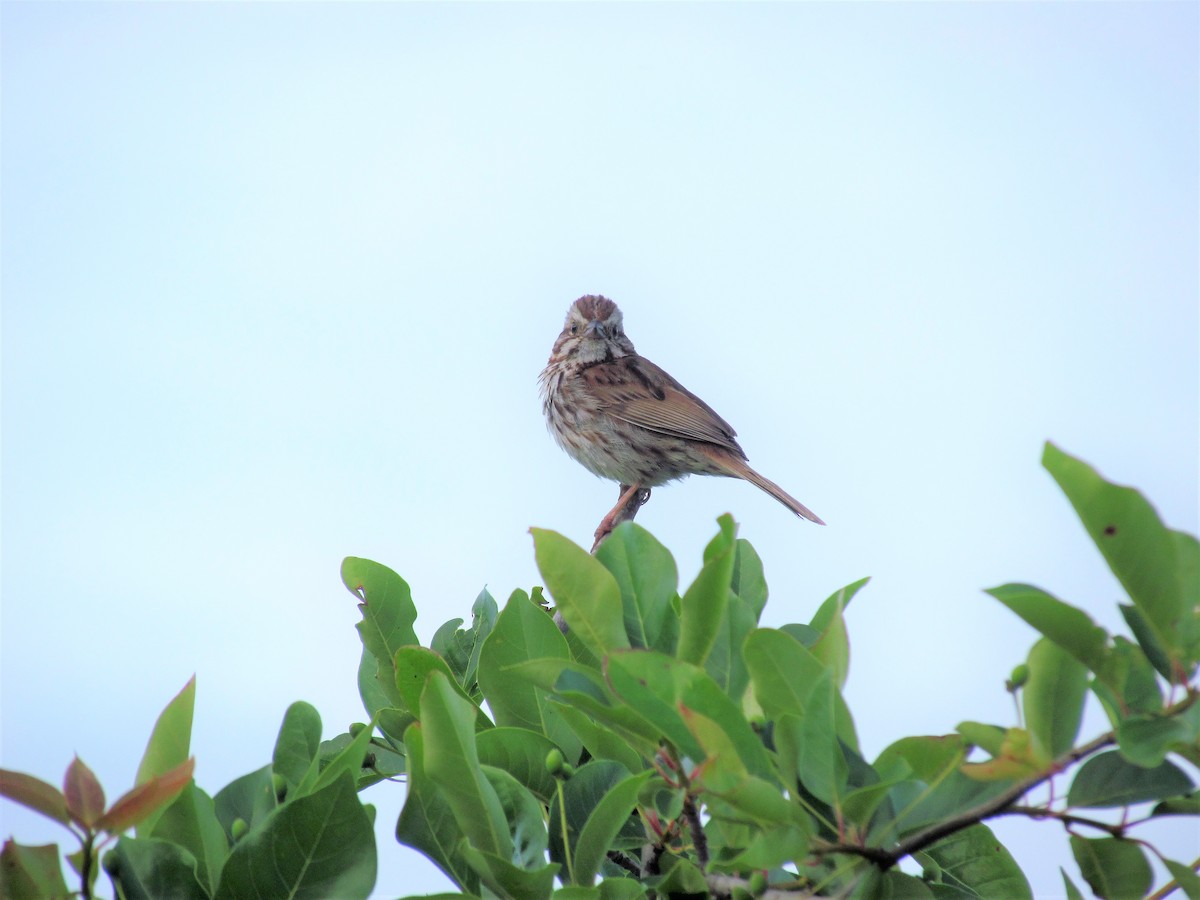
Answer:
x=637 y=391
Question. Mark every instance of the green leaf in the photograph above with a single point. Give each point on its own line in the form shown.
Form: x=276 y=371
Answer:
x=249 y=798
x=296 y=747
x=388 y=616
x=582 y=795
x=1179 y=806
x=1147 y=639
x=601 y=741
x=31 y=873
x=584 y=591
x=1073 y=893
x=171 y=738
x=681 y=880
x=524 y=631
x=584 y=689
x=1145 y=740
x=191 y=822
x=1188 y=880
x=621 y=889
x=483 y=619
x=930 y=784
x=1116 y=869
x=832 y=648
x=767 y=848
x=413 y=665
x=978 y=865
x=1071 y=629
x=704 y=605
x=987 y=737
x=507 y=880
x=427 y=823
x=645 y=572
x=748 y=581
x=168 y=747
x=85 y=797
x=1053 y=699
x=452 y=764
x=522 y=754
x=380 y=704
x=150 y=869
x=1140 y=550
x=1108 y=780
x=34 y=794
x=608 y=818
x=349 y=759
x=783 y=672
x=896 y=885
x=725 y=662
x=1130 y=684
x=524 y=815
x=317 y=846
x=811 y=741
x=658 y=688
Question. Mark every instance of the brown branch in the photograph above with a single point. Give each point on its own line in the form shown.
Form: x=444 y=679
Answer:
x=699 y=840
x=1068 y=819
x=885 y=859
x=997 y=805
x=616 y=857
x=724 y=886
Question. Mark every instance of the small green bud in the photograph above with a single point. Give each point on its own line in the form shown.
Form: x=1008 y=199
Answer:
x=555 y=762
x=239 y=828
x=279 y=786
x=567 y=771
x=1020 y=675
x=357 y=728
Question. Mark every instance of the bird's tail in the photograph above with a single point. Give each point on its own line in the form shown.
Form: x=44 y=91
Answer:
x=739 y=468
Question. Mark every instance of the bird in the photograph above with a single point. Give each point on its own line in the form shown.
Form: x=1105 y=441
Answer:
x=625 y=419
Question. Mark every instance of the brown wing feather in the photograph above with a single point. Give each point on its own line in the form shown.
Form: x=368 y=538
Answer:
x=637 y=391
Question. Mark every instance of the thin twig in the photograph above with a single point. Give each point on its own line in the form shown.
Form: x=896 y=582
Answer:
x=997 y=804
x=620 y=859
x=697 y=829
x=1172 y=885
x=1068 y=819
x=724 y=886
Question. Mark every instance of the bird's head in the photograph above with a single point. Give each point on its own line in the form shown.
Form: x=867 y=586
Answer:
x=593 y=332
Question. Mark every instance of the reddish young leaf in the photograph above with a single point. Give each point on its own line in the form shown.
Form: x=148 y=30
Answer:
x=85 y=797
x=143 y=800
x=34 y=794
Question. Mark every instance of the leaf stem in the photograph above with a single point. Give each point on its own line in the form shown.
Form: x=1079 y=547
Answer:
x=562 y=818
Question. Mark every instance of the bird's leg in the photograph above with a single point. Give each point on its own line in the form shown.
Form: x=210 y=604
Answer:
x=633 y=497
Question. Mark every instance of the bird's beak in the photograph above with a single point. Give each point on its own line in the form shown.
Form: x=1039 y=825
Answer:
x=594 y=329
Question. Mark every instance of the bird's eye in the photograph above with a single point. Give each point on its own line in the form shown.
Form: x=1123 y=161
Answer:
x=574 y=329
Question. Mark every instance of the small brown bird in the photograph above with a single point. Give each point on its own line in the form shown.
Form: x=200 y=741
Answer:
x=625 y=419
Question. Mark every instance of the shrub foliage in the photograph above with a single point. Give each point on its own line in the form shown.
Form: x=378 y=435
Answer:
x=664 y=744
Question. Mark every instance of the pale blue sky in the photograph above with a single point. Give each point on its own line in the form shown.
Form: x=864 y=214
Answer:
x=278 y=280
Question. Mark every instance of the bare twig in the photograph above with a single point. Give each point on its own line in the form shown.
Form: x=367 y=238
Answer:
x=1037 y=812
x=697 y=829
x=725 y=885
x=997 y=805
x=1173 y=885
